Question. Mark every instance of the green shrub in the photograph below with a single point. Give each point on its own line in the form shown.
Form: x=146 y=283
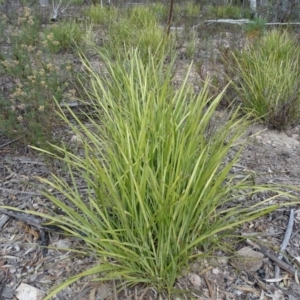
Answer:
x=159 y=187
x=267 y=79
x=28 y=28
x=27 y=108
x=62 y=37
x=28 y=111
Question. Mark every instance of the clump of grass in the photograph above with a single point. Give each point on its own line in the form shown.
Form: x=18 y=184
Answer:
x=160 y=11
x=192 y=9
x=255 y=29
x=228 y=11
x=62 y=37
x=140 y=16
x=191 y=44
x=101 y=15
x=138 y=28
x=159 y=188
x=268 y=77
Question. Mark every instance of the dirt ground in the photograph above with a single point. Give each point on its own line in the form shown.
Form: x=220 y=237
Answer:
x=271 y=157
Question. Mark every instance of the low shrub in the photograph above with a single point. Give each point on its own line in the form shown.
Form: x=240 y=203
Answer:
x=27 y=107
x=62 y=37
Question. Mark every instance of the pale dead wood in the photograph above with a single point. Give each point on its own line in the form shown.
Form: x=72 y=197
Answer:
x=3 y=220
x=3 y=284
x=242 y=22
x=286 y=239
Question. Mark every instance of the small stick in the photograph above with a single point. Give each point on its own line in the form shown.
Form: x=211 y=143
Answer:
x=3 y=220
x=10 y=142
x=211 y=291
x=20 y=192
x=285 y=240
x=3 y=283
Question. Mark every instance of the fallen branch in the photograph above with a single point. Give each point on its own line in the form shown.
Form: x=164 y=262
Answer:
x=26 y=218
x=285 y=240
x=242 y=22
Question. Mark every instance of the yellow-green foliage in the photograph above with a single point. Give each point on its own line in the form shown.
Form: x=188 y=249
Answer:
x=102 y=15
x=228 y=12
x=138 y=28
x=268 y=77
x=160 y=11
x=192 y=9
x=158 y=186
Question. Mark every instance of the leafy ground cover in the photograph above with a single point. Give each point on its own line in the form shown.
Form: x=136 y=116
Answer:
x=145 y=180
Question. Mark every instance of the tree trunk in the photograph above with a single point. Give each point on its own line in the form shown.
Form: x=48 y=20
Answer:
x=253 y=7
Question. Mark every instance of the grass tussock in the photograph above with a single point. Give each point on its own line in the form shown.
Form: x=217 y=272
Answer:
x=158 y=186
x=267 y=79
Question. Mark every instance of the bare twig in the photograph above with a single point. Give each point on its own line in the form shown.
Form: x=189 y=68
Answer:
x=3 y=283
x=170 y=16
x=3 y=220
x=285 y=240
x=10 y=142
x=211 y=291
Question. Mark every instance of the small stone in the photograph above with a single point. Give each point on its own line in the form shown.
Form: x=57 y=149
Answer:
x=195 y=279
x=223 y=260
x=248 y=260
x=64 y=244
x=27 y=292
x=195 y=267
x=76 y=140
